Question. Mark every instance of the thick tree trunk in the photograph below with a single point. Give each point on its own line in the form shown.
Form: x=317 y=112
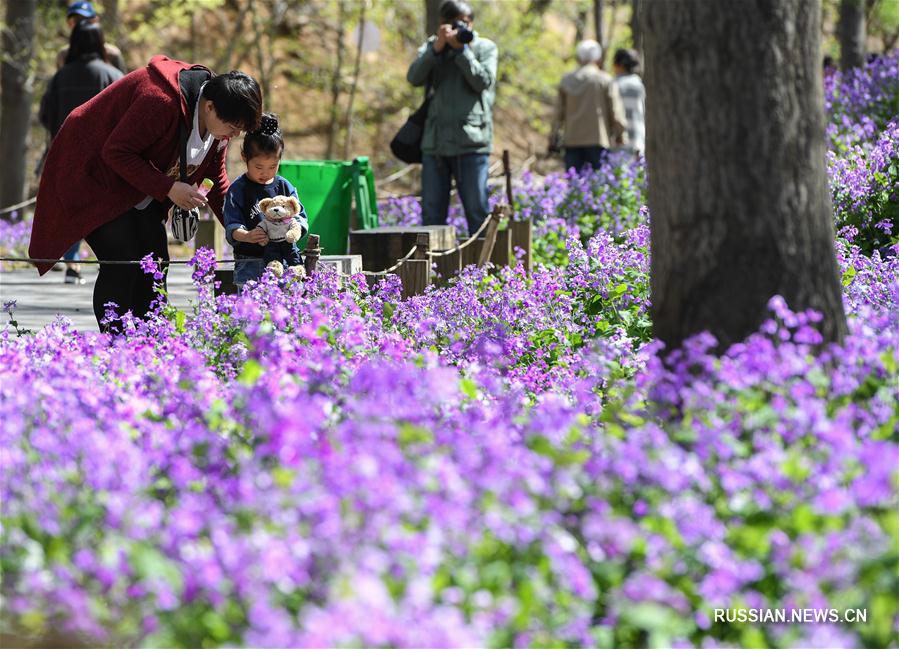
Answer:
x=597 y=23
x=852 y=34
x=16 y=89
x=432 y=16
x=636 y=31
x=737 y=184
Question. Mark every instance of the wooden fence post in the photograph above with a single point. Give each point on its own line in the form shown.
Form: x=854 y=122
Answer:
x=489 y=237
x=422 y=244
x=415 y=274
x=522 y=237
x=507 y=172
x=311 y=254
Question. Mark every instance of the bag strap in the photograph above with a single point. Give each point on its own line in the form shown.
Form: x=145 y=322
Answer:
x=183 y=153
x=190 y=81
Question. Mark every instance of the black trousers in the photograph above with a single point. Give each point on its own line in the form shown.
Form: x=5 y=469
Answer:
x=130 y=236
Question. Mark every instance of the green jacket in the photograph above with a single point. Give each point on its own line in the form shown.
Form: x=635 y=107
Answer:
x=460 y=116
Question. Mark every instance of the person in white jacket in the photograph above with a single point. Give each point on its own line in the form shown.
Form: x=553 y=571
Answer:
x=633 y=96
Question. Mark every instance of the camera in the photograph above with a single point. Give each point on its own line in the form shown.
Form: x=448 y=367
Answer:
x=463 y=33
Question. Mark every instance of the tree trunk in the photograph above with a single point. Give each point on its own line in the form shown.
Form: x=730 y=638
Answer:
x=432 y=16
x=224 y=62
x=738 y=190
x=636 y=31
x=334 y=127
x=16 y=90
x=597 y=23
x=852 y=34
x=111 y=20
x=347 y=142
x=580 y=26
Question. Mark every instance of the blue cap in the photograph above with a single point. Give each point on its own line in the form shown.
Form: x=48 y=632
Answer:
x=85 y=9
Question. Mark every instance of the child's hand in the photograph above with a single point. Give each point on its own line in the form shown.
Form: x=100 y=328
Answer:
x=256 y=235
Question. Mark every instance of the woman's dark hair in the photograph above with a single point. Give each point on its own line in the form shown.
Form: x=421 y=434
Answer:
x=627 y=59
x=452 y=9
x=265 y=140
x=236 y=98
x=86 y=42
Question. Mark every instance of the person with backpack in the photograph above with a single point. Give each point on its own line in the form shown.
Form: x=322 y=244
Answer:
x=85 y=74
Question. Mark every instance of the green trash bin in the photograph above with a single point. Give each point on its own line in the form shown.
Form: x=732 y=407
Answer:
x=328 y=189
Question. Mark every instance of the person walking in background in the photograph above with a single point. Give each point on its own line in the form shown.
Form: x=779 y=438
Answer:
x=85 y=74
x=113 y=171
x=589 y=117
x=84 y=12
x=626 y=65
x=459 y=66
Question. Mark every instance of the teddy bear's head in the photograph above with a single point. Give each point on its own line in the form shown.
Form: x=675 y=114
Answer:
x=280 y=208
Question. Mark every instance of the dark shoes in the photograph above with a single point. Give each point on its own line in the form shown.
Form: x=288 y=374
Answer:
x=73 y=276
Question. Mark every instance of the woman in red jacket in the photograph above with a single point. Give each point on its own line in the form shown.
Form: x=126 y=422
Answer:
x=112 y=170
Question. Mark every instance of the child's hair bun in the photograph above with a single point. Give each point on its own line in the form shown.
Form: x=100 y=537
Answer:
x=268 y=124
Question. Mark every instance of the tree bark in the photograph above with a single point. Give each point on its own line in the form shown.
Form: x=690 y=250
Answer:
x=16 y=90
x=852 y=34
x=334 y=128
x=636 y=31
x=738 y=190
x=580 y=26
x=432 y=16
x=357 y=66
x=111 y=20
x=597 y=23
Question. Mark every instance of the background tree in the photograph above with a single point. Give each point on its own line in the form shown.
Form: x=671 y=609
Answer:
x=16 y=90
x=337 y=80
x=738 y=191
x=636 y=32
x=432 y=16
x=598 y=32
x=852 y=33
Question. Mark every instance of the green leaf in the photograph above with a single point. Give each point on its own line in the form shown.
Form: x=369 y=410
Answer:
x=410 y=434
x=283 y=477
x=250 y=372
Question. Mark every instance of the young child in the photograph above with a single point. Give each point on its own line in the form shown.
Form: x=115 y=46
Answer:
x=261 y=152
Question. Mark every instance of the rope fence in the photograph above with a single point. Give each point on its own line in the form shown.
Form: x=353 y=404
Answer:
x=13 y=208
x=117 y=262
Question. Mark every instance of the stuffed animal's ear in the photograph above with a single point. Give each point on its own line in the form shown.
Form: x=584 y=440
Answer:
x=264 y=204
x=295 y=204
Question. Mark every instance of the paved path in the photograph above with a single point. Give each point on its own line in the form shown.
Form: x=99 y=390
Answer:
x=40 y=299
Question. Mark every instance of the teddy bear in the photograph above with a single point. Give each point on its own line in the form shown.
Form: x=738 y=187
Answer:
x=283 y=230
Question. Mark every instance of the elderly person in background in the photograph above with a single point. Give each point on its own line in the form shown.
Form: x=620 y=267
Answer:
x=589 y=113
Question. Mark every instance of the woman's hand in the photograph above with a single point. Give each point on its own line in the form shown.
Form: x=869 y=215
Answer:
x=256 y=235
x=186 y=196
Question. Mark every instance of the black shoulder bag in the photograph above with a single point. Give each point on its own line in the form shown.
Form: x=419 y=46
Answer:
x=406 y=144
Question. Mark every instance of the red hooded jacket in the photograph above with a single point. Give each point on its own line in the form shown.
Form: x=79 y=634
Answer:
x=114 y=151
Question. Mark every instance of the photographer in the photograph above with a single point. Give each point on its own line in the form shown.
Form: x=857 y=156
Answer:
x=459 y=67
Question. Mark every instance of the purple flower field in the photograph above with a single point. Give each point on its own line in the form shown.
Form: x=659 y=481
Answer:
x=503 y=461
